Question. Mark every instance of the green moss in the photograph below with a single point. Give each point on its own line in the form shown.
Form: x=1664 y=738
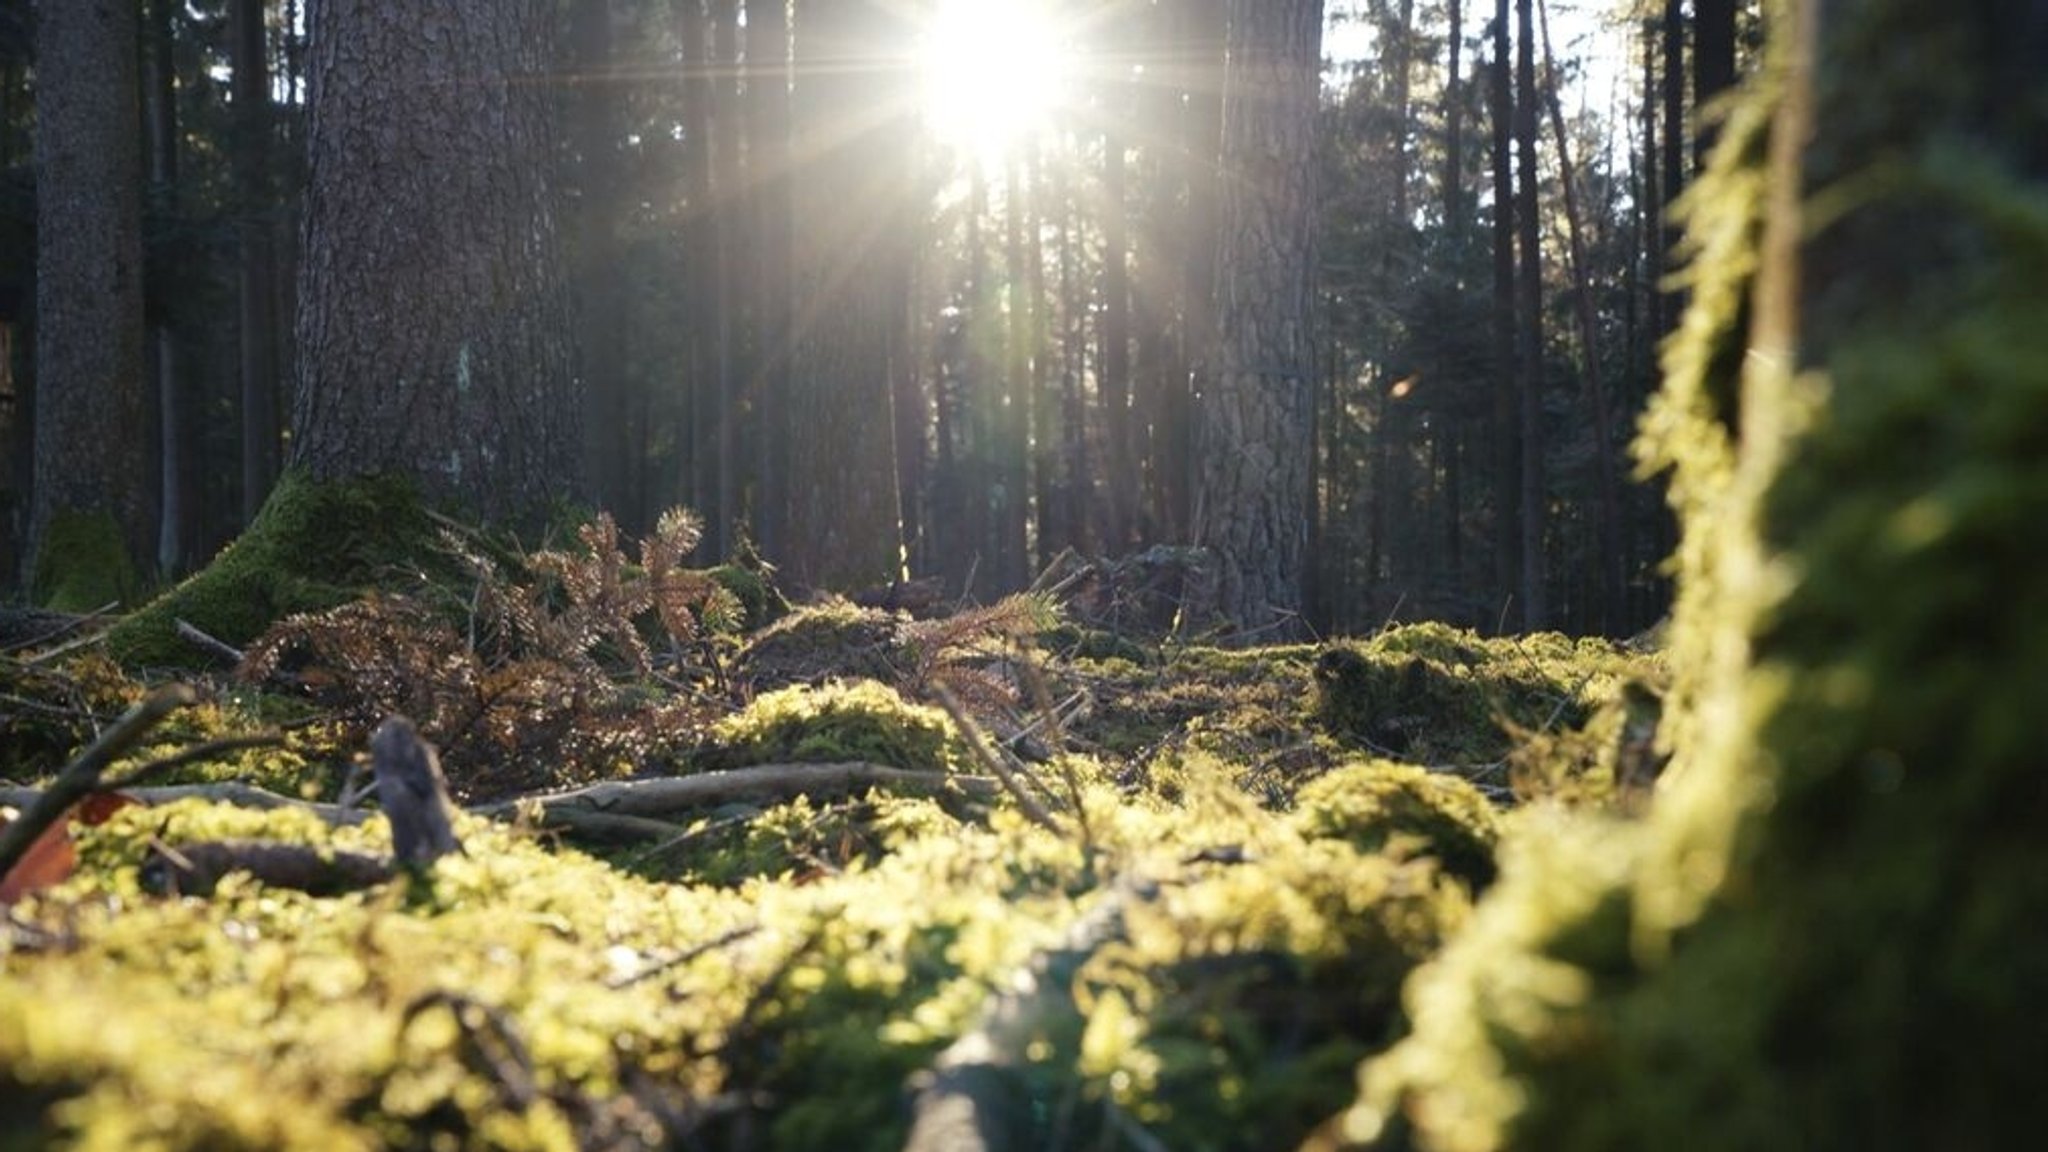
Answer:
x=760 y=600
x=313 y=546
x=1373 y=805
x=83 y=564
x=862 y=720
x=834 y=639
x=1832 y=931
x=1439 y=695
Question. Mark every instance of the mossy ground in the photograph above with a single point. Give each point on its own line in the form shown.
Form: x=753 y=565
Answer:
x=776 y=973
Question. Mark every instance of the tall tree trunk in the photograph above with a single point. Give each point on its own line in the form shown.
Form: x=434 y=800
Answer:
x=1256 y=409
x=1529 y=329
x=256 y=237
x=1673 y=29
x=1507 y=546
x=721 y=513
x=177 y=428
x=1609 y=609
x=91 y=514
x=432 y=316
x=600 y=288
x=1202 y=136
x=704 y=386
x=853 y=148
x=1045 y=408
x=1113 y=363
x=1713 y=69
x=768 y=151
x=1019 y=342
x=1454 y=128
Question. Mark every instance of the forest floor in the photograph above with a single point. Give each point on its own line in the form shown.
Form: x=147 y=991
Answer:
x=1040 y=873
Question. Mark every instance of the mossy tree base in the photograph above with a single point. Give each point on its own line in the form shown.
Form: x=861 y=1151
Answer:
x=82 y=564
x=314 y=545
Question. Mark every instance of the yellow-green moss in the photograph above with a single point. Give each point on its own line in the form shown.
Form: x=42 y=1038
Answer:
x=862 y=720
x=1376 y=804
x=83 y=564
x=313 y=546
x=836 y=638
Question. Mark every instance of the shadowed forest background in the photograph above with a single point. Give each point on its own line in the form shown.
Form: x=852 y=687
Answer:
x=894 y=290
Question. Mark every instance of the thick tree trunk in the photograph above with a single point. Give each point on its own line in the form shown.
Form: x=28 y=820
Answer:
x=432 y=324
x=92 y=452
x=1256 y=408
x=853 y=152
x=256 y=235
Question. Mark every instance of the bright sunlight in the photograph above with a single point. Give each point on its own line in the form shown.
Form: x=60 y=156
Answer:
x=994 y=72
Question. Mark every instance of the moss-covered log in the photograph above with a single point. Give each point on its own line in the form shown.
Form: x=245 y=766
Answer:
x=1833 y=931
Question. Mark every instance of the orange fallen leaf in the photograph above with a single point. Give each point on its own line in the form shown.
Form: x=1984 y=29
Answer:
x=51 y=859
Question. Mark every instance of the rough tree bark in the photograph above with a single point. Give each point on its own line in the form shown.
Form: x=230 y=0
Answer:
x=91 y=516
x=1256 y=406
x=432 y=321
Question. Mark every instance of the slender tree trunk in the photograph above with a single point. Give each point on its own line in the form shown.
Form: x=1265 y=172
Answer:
x=1609 y=611
x=768 y=150
x=1713 y=70
x=1529 y=314
x=721 y=514
x=854 y=153
x=1113 y=378
x=1256 y=411
x=1454 y=128
x=256 y=237
x=599 y=281
x=432 y=316
x=703 y=412
x=1044 y=405
x=92 y=449
x=1507 y=437
x=176 y=427
x=1020 y=338
x=1673 y=29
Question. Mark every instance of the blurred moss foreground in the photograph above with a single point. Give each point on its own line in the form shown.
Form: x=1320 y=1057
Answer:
x=1832 y=933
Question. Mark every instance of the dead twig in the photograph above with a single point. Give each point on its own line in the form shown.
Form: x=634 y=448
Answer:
x=762 y=781
x=81 y=777
x=988 y=758
x=217 y=647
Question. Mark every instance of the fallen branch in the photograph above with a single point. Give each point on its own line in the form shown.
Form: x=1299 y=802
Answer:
x=763 y=781
x=81 y=777
x=196 y=869
x=227 y=792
